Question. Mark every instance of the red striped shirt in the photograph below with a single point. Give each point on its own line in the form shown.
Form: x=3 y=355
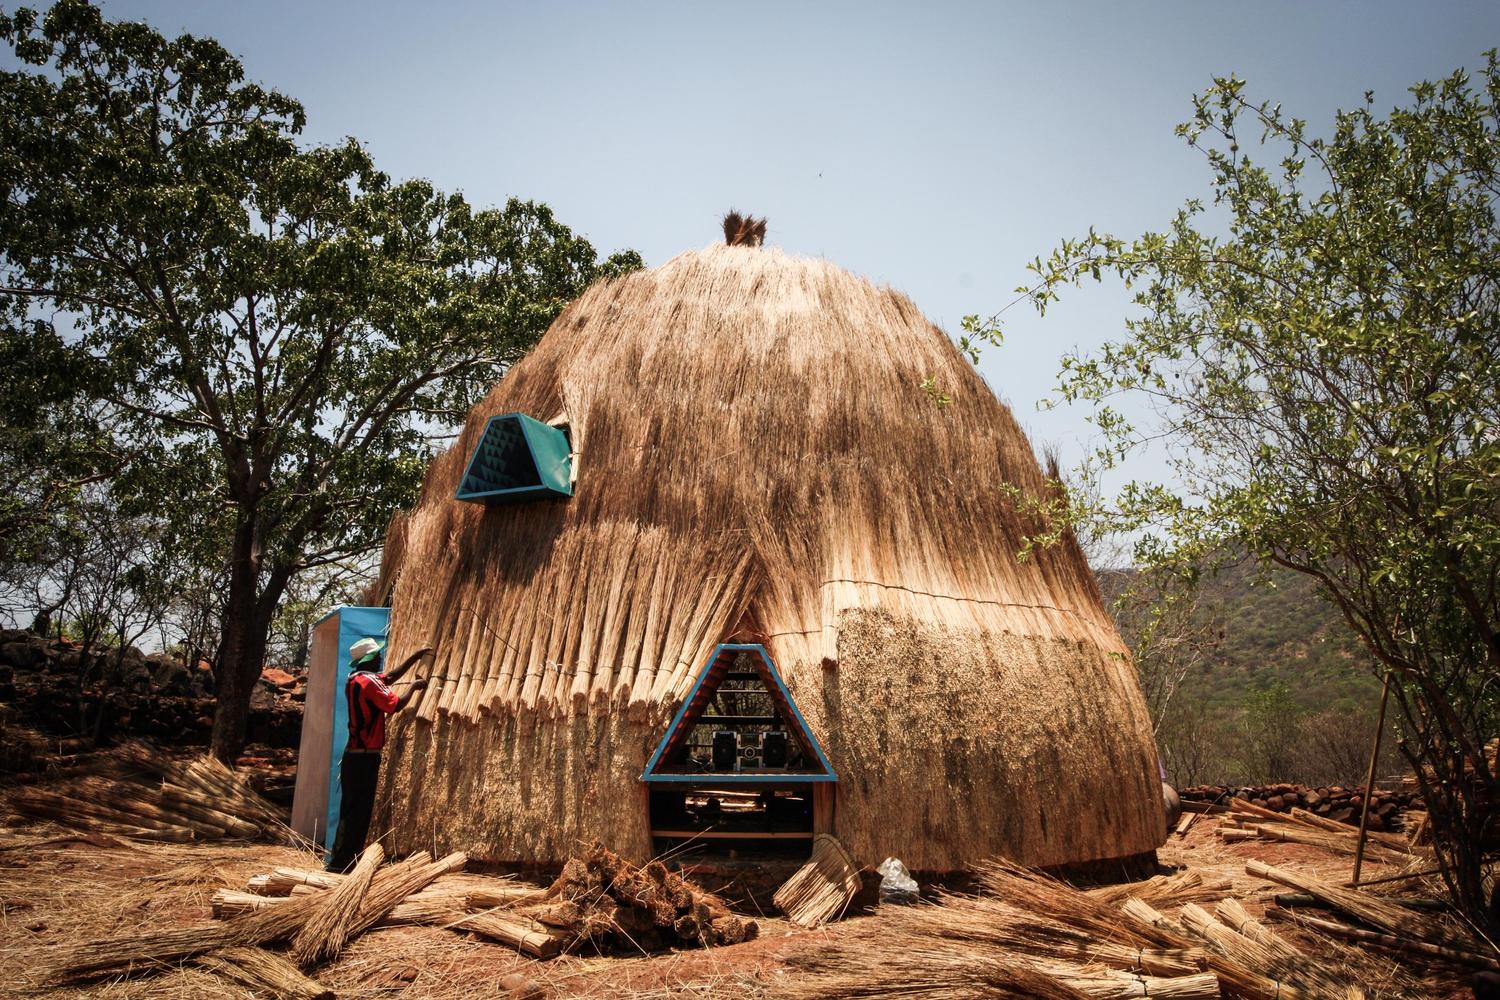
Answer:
x=370 y=700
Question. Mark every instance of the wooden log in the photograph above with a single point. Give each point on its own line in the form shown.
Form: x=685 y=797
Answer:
x=1203 y=807
x=262 y=972
x=1250 y=808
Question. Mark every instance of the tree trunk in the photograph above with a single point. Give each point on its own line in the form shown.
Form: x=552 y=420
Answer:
x=242 y=652
x=239 y=670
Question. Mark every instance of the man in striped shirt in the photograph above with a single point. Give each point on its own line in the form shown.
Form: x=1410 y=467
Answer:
x=370 y=700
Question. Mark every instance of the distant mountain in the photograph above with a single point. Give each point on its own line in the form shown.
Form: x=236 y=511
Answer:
x=1276 y=627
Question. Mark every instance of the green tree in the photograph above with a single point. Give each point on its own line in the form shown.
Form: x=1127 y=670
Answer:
x=1269 y=730
x=1326 y=370
x=53 y=440
x=281 y=329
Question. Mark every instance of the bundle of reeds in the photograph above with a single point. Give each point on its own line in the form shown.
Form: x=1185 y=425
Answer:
x=1367 y=907
x=124 y=954
x=1291 y=972
x=820 y=890
x=1393 y=943
x=257 y=925
x=324 y=934
x=1008 y=929
x=263 y=973
x=528 y=936
x=1134 y=923
x=1032 y=891
x=1248 y=821
x=866 y=966
x=401 y=882
x=137 y=791
x=1164 y=890
x=228 y=903
x=281 y=881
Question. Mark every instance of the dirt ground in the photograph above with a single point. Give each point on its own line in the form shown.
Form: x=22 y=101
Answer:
x=57 y=892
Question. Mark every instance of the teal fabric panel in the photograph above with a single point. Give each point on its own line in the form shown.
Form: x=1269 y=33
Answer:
x=551 y=453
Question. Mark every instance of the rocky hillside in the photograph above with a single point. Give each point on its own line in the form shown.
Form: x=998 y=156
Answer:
x=104 y=694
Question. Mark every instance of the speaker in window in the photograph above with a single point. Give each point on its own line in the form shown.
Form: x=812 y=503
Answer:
x=773 y=749
x=726 y=750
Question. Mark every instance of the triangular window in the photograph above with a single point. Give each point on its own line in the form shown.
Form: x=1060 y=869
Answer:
x=738 y=725
x=518 y=458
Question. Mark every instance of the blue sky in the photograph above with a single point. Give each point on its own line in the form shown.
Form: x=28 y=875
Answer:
x=935 y=147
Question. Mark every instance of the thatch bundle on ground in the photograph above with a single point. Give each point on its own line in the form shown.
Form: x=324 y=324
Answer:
x=139 y=791
x=755 y=461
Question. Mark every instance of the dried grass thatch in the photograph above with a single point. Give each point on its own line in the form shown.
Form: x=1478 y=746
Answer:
x=756 y=461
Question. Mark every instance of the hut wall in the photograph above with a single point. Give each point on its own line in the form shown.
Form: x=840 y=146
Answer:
x=956 y=744
x=517 y=790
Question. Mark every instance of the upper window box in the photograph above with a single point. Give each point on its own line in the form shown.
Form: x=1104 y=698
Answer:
x=518 y=459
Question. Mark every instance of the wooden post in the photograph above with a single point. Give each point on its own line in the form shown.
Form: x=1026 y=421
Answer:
x=823 y=806
x=1364 y=809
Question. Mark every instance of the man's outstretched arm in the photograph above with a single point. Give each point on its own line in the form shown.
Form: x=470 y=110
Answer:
x=407 y=664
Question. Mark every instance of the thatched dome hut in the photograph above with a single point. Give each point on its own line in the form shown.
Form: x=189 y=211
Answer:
x=754 y=461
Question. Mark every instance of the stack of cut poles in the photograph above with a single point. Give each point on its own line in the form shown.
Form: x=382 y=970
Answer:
x=1248 y=821
x=139 y=792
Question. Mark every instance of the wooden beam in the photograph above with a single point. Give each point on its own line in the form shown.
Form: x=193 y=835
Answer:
x=823 y=807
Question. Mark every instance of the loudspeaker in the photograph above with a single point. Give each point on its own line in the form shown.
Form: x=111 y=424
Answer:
x=726 y=750
x=773 y=749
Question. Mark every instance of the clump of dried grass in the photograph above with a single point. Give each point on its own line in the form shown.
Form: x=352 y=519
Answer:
x=939 y=970
x=820 y=890
x=262 y=972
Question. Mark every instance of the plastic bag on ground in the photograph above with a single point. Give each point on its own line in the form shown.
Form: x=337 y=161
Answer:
x=896 y=883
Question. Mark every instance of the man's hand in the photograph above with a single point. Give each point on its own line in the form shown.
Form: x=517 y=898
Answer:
x=408 y=663
x=411 y=690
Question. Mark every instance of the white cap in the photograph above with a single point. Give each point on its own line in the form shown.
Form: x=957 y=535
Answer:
x=363 y=648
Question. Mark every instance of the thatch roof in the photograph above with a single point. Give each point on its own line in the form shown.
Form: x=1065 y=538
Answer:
x=756 y=461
